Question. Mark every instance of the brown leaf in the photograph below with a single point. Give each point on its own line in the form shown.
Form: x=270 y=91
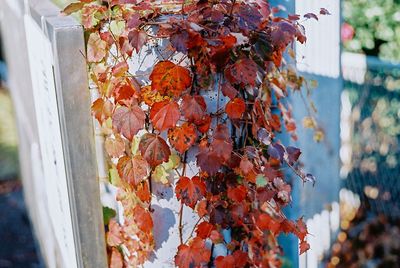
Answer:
x=154 y=149
x=133 y=170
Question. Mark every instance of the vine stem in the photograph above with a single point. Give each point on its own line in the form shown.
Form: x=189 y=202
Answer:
x=180 y=224
x=181 y=208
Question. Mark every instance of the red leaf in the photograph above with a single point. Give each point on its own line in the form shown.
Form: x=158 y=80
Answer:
x=311 y=16
x=243 y=72
x=133 y=170
x=194 y=255
x=304 y=246
x=301 y=229
x=116 y=260
x=137 y=39
x=143 y=219
x=190 y=191
x=128 y=121
x=266 y=222
x=164 y=115
x=324 y=11
x=237 y=194
x=208 y=161
x=229 y=91
x=183 y=137
x=204 y=124
x=169 y=78
x=237 y=260
x=204 y=229
x=193 y=107
x=222 y=142
x=235 y=108
x=154 y=149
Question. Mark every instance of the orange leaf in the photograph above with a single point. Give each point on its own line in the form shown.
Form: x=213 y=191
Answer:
x=235 y=108
x=169 y=78
x=154 y=149
x=183 y=137
x=143 y=219
x=204 y=229
x=164 y=115
x=133 y=170
x=190 y=191
x=101 y=109
x=128 y=121
x=194 y=255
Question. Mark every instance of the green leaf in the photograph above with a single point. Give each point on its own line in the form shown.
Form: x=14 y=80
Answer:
x=117 y=27
x=114 y=177
x=261 y=181
x=108 y=214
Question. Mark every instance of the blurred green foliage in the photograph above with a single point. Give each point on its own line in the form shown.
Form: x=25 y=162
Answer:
x=8 y=139
x=377 y=27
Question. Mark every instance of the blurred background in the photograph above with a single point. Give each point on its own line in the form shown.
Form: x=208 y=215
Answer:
x=368 y=234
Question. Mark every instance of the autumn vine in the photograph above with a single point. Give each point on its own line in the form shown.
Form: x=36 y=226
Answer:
x=153 y=122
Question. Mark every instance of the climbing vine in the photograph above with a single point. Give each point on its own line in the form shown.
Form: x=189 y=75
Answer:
x=155 y=121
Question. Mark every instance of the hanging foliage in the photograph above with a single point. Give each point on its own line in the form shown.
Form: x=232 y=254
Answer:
x=234 y=49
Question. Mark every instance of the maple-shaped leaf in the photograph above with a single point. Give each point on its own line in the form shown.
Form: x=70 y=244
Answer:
x=96 y=48
x=204 y=229
x=204 y=124
x=304 y=246
x=164 y=115
x=133 y=170
x=137 y=39
x=237 y=260
x=183 y=137
x=222 y=142
x=249 y=17
x=169 y=78
x=228 y=90
x=190 y=191
x=193 y=107
x=243 y=72
x=154 y=149
x=266 y=222
x=235 y=108
x=238 y=193
x=128 y=121
x=209 y=161
x=114 y=236
x=301 y=229
x=101 y=109
x=116 y=260
x=196 y=254
x=150 y=96
x=143 y=219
